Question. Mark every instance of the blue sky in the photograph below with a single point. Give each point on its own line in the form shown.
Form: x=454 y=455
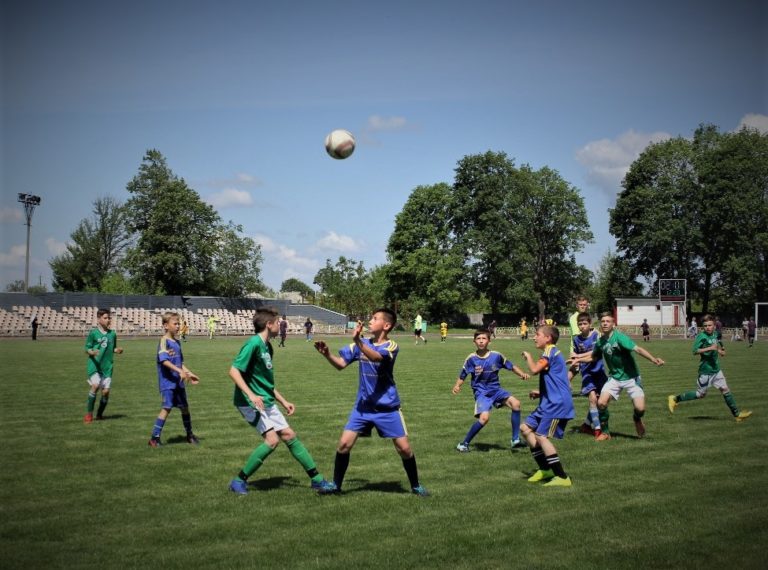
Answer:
x=239 y=95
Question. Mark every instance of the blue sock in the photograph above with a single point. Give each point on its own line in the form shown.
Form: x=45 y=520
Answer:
x=476 y=427
x=158 y=429
x=186 y=419
x=594 y=418
x=515 y=424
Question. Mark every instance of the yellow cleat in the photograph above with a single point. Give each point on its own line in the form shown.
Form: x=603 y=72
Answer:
x=559 y=482
x=671 y=404
x=743 y=416
x=541 y=476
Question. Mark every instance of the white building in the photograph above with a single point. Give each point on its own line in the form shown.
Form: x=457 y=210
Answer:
x=632 y=310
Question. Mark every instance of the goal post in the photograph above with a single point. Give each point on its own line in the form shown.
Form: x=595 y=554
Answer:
x=757 y=320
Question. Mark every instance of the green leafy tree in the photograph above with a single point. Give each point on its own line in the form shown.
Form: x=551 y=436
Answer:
x=236 y=263
x=96 y=249
x=345 y=287
x=614 y=278
x=178 y=235
x=17 y=286
x=297 y=286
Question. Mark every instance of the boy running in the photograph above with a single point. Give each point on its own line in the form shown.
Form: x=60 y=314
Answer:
x=593 y=376
x=101 y=346
x=709 y=350
x=482 y=366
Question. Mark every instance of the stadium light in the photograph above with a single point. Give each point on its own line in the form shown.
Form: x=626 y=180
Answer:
x=30 y=203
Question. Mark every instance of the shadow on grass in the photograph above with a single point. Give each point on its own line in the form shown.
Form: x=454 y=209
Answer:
x=268 y=483
x=486 y=447
x=113 y=417
x=380 y=486
x=706 y=418
x=178 y=439
x=619 y=435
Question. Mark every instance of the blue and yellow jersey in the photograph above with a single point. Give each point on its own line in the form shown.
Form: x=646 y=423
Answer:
x=377 y=390
x=556 y=400
x=483 y=371
x=583 y=345
x=170 y=350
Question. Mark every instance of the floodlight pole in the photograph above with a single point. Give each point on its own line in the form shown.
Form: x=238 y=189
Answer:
x=30 y=203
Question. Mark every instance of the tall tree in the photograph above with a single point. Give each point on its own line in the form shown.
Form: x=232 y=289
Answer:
x=345 y=287
x=614 y=278
x=236 y=263
x=297 y=286
x=96 y=249
x=177 y=233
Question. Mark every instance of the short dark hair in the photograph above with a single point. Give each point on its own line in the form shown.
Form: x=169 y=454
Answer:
x=707 y=317
x=606 y=314
x=101 y=312
x=262 y=316
x=551 y=331
x=584 y=317
x=389 y=315
x=486 y=332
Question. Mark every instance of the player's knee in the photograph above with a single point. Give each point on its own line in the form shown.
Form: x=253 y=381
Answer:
x=483 y=418
x=525 y=429
x=513 y=403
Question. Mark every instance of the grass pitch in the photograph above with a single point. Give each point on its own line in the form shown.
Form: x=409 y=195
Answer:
x=691 y=494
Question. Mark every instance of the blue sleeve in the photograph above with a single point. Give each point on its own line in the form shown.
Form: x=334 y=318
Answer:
x=349 y=353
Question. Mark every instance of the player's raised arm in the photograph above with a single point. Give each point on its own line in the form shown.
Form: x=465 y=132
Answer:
x=336 y=361
x=648 y=356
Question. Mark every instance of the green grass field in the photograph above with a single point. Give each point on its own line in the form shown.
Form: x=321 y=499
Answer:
x=692 y=494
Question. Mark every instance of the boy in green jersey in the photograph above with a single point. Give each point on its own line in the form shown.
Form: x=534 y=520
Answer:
x=709 y=350
x=255 y=397
x=101 y=345
x=617 y=350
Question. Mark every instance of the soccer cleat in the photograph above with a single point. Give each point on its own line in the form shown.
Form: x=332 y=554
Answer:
x=462 y=448
x=238 y=486
x=154 y=442
x=540 y=475
x=88 y=419
x=324 y=487
x=743 y=416
x=420 y=491
x=640 y=428
x=671 y=404
x=192 y=439
x=517 y=444
x=586 y=428
x=559 y=482
x=603 y=437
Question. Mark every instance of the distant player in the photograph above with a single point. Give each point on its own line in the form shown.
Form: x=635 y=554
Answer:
x=172 y=375
x=751 y=328
x=443 y=331
x=308 y=328
x=555 y=408
x=523 y=330
x=378 y=403
x=646 y=329
x=101 y=346
x=256 y=398
x=184 y=330
x=593 y=376
x=582 y=305
x=283 y=330
x=482 y=367
x=418 y=323
x=709 y=350
x=212 y=320
x=623 y=374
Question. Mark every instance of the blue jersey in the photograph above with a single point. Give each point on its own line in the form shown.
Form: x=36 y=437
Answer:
x=556 y=400
x=581 y=345
x=169 y=350
x=484 y=370
x=377 y=391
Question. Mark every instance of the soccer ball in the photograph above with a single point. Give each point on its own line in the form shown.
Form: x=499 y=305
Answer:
x=339 y=144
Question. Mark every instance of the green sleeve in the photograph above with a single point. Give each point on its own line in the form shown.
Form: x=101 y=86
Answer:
x=243 y=357
x=625 y=342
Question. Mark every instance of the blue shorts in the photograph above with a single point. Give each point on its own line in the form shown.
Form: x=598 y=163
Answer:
x=592 y=382
x=485 y=400
x=389 y=424
x=547 y=427
x=174 y=398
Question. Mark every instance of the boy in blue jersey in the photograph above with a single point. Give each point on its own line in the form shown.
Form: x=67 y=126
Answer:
x=172 y=375
x=482 y=366
x=555 y=408
x=256 y=399
x=593 y=376
x=378 y=403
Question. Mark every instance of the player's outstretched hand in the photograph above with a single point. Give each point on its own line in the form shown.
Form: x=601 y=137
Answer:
x=658 y=362
x=193 y=378
x=322 y=348
x=119 y=350
x=525 y=376
x=456 y=389
x=533 y=394
x=525 y=354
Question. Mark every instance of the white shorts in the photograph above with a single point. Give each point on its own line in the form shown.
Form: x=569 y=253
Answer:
x=632 y=386
x=270 y=418
x=706 y=381
x=98 y=381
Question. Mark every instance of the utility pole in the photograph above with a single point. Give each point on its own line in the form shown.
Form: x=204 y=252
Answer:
x=30 y=203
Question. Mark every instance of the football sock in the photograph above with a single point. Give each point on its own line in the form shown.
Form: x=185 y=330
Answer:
x=91 y=402
x=411 y=471
x=637 y=416
x=728 y=397
x=256 y=459
x=538 y=456
x=301 y=455
x=515 y=424
x=186 y=419
x=476 y=427
x=340 y=468
x=553 y=463
x=158 y=429
x=594 y=418
x=102 y=405
x=603 y=416
x=687 y=396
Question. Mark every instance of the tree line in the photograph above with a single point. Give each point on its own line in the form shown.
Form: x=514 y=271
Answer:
x=502 y=238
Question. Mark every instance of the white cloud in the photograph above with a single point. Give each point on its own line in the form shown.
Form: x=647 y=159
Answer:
x=278 y=253
x=754 y=121
x=230 y=197
x=338 y=242
x=608 y=160
x=378 y=123
x=10 y=215
x=15 y=256
x=239 y=180
x=55 y=247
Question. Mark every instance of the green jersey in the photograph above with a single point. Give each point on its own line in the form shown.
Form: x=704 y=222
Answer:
x=254 y=361
x=710 y=360
x=617 y=350
x=106 y=343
